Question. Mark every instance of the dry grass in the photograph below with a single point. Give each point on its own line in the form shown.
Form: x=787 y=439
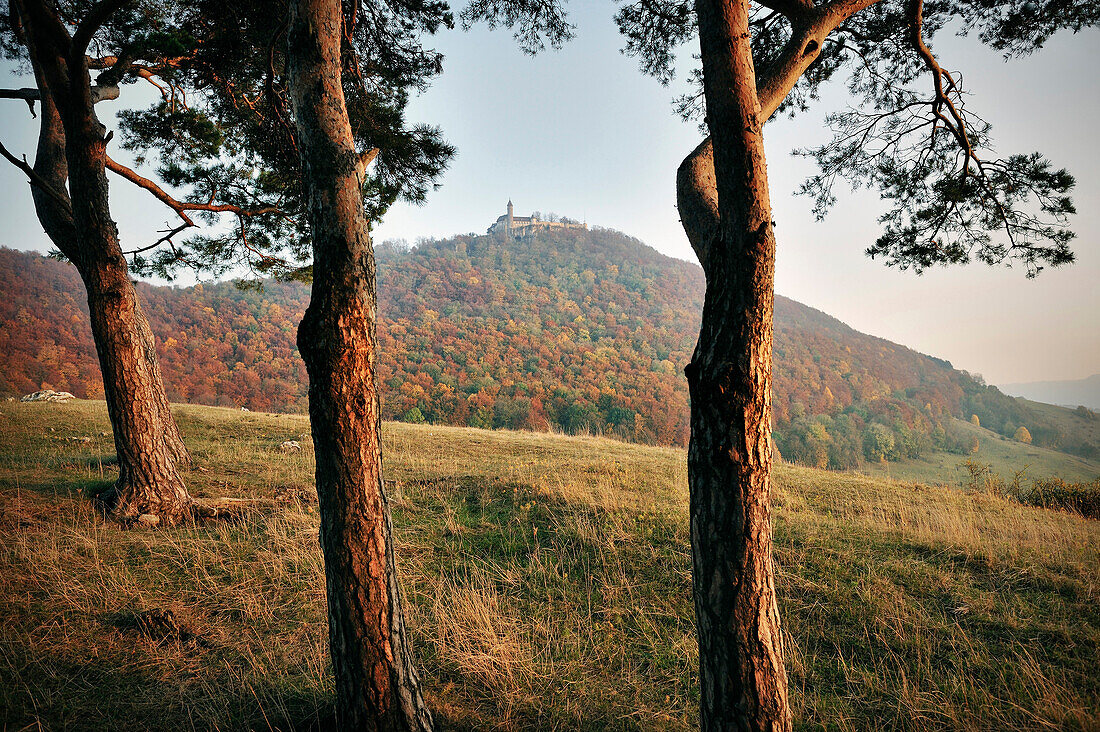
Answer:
x=548 y=587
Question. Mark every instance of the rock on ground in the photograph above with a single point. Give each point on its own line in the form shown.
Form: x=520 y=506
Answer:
x=48 y=395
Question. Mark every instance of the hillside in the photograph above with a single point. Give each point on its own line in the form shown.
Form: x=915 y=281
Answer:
x=1004 y=455
x=579 y=331
x=547 y=581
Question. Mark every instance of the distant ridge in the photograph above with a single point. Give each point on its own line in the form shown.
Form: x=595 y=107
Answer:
x=1068 y=393
x=567 y=329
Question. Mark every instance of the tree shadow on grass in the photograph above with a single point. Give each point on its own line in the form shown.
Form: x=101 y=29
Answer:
x=64 y=689
x=56 y=690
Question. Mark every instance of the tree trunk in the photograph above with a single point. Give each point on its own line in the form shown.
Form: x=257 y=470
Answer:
x=742 y=677
x=72 y=149
x=148 y=479
x=376 y=682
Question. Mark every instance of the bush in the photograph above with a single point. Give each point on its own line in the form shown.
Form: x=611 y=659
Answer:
x=1082 y=498
x=984 y=480
x=1055 y=493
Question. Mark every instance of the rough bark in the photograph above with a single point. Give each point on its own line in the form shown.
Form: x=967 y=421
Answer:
x=72 y=150
x=742 y=677
x=376 y=681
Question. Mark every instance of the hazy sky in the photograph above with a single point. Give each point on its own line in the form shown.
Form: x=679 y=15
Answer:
x=582 y=133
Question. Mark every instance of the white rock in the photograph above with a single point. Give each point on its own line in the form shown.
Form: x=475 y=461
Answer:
x=48 y=395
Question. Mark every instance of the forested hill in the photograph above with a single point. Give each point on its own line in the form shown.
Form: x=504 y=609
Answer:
x=573 y=330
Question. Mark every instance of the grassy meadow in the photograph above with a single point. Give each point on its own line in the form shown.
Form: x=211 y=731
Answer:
x=547 y=583
x=1003 y=454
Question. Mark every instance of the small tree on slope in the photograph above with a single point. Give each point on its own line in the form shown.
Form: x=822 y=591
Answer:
x=952 y=199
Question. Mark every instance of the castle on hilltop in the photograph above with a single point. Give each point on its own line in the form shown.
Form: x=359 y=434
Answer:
x=513 y=225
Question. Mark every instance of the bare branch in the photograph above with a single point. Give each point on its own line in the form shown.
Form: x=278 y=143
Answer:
x=27 y=94
x=181 y=208
x=956 y=125
x=36 y=179
x=31 y=95
x=166 y=239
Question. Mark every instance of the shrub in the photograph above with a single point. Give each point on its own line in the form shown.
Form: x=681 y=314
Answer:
x=1054 y=493
x=1082 y=498
x=1022 y=435
x=983 y=479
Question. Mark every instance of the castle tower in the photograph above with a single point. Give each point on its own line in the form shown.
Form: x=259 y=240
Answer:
x=509 y=229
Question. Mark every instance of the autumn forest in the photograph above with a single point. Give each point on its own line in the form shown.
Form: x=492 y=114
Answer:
x=581 y=332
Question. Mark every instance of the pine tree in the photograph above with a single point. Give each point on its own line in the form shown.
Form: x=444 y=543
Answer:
x=328 y=80
x=290 y=118
x=912 y=137
x=70 y=193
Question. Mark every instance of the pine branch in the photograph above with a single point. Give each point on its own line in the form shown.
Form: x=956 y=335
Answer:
x=30 y=95
x=182 y=207
x=36 y=179
x=99 y=14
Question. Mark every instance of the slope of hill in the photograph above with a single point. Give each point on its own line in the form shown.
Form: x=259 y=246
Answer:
x=580 y=331
x=1004 y=456
x=547 y=584
x=1069 y=393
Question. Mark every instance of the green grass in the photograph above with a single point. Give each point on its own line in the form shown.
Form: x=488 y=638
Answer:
x=1004 y=455
x=547 y=581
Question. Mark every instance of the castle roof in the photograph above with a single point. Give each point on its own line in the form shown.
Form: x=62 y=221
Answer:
x=527 y=219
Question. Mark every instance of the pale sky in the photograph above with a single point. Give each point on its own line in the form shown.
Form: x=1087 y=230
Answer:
x=580 y=132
